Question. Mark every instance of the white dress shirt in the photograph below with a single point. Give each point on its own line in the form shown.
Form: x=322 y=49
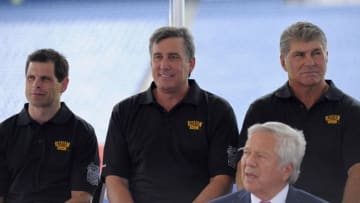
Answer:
x=278 y=198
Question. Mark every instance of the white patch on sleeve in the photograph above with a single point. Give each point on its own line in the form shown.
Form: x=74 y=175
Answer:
x=232 y=156
x=93 y=174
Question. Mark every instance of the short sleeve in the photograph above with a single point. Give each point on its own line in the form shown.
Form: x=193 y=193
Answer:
x=85 y=164
x=4 y=175
x=116 y=155
x=351 y=136
x=223 y=134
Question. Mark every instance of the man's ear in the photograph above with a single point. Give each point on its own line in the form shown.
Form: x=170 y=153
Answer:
x=327 y=56
x=282 y=62
x=192 y=62
x=64 y=84
x=287 y=169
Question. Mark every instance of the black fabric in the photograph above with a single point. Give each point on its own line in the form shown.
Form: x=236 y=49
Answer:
x=43 y=163
x=332 y=131
x=170 y=156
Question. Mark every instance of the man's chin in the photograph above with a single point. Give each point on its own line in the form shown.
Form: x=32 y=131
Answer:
x=38 y=104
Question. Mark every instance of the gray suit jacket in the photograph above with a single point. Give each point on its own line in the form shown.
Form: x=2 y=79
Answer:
x=294 y=196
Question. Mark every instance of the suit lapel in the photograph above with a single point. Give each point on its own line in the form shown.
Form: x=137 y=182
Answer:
x=292 y=196
x=244 y=197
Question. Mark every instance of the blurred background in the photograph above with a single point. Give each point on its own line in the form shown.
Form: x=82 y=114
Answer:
x=106 y=43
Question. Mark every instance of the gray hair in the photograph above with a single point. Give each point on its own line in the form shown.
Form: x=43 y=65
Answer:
x=169 y=32
x=290 y=144
x=301 y=31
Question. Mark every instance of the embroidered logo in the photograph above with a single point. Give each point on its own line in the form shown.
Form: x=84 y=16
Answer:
x=93 y=174
x=194 y=125
x=332 y=119
x=62 y=145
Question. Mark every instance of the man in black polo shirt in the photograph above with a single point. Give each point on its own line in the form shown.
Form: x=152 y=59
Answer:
x=328 y=117
x=47 y=153
x=174 y=142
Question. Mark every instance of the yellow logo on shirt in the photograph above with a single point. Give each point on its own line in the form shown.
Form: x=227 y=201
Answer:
x=62 y=145
x=332 y=119
x=194 y=125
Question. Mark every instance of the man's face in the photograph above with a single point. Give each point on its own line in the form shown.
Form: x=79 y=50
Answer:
x=261 y=171
x=170 y=65
x=305 y=63
x=42 y=87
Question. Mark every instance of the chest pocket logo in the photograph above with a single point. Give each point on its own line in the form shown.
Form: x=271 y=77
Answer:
x=333 y=119
x=62 y=145
x=194 y=125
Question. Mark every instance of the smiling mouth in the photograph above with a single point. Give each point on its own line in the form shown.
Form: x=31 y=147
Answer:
x=166 y=75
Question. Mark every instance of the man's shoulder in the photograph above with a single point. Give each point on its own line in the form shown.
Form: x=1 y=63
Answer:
x=299 y=195
x=199 y=94
x=350 y=101
x=69 y=118
x=123 y=110
x=213 y=98
x=266 y=97
x=270 y=99
x=239 y=196
x=133 y=100
x=345 y=103
x=9 y=122
x=85 y=125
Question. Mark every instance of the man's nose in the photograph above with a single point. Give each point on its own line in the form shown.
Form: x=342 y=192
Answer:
x=37 y=83
x=164 y=63
x=250 y=160
x=309 y=60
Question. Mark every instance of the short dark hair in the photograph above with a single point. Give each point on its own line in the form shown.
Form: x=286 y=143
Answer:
x=50 y=55
x=168 y=32
x=304 y=31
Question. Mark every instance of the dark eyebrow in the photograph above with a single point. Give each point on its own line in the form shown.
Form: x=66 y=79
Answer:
x=317 y=49
x=45 y=77
x=299 y=52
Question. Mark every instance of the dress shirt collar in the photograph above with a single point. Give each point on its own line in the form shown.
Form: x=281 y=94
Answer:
x=278 y=198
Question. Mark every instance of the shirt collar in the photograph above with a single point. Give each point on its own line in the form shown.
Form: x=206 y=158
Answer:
x=278 y=198
x=193 y=96
x=333 y=93
x=62 y=116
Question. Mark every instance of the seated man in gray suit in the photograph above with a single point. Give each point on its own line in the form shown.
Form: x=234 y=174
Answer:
x=270 y=165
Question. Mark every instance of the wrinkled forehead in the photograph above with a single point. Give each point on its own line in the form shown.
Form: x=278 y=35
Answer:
x=301 y=43
x=260 y=142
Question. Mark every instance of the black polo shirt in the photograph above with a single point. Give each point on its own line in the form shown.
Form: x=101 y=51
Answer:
x=43 y=163
x=170 y=156
x=332 y=131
